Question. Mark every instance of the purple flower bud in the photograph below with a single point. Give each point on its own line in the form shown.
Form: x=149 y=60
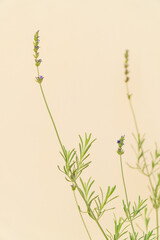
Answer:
x=41 y=77
x=120 y=144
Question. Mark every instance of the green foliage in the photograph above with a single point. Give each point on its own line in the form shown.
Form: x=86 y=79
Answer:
x=75 y=163
x=147 y=169
x=84 y=147
x=156 y=159
x=148 y=236
x=155 y=199
x=87 y=196
x=119 y=229
x=146 y=218
x=103 y=201
x=137 y=208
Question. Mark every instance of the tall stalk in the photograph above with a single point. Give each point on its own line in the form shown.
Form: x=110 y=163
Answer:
x=125 y=189
x=60 y=142
x=138 y=134
x=39 y=79
x=61 y=145
x=120 y=153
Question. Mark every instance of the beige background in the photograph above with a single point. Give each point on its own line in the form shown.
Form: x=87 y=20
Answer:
x=82 y=46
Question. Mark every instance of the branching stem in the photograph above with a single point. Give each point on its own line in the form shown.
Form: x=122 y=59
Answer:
x=81 y=216
x=137 y=130
x=55 y=128
x=145 y=164
x=125 y=189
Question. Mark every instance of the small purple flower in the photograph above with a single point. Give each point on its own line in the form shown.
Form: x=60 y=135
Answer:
x=120 y=144
x=39 y=79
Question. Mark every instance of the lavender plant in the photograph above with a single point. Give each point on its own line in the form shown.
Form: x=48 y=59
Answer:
x=148 y=169
x=76 y=162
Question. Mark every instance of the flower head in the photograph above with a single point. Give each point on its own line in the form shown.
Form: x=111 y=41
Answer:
x=120 y=144
x=39 y=79
x=36 y=55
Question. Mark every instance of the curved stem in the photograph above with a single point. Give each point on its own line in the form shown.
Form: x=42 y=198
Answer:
x=125 y=189
x=55 y=128
x=81 y=216
x=145 y=164
x=54 y=125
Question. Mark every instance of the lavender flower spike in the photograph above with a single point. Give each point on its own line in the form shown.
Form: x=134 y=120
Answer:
x=39 y=79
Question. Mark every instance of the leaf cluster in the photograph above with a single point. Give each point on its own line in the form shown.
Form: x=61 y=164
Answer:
x=119 y=229
x=136 y=209
x=145 y=236
x=102 y=201
x=87 y=196
x=74 y=164
x=155 y=199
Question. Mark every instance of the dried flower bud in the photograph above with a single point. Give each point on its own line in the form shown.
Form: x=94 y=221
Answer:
x=127 y=79
x=126 y=72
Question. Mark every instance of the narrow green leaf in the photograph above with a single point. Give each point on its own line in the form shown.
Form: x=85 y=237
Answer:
x=91 y=195
x=81 y=140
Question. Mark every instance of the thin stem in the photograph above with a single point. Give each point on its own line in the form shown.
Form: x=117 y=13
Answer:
x=136 y=125
x=54 y=125
x=94 y=217
x=132 y=110
x=62 y=150
x=148 y=174
x=157 y=223
x=99 y=225
x=55 y=128
x=38 y=71
x=81 y=216
x=130 y=219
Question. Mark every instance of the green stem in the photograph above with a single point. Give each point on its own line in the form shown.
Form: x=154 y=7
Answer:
x=62 y=150
x=81 y=216
x=132 y=110
x=94 y=217
x=145 y=164
x=100 y=227
x=54 y=125
x=157 y=223
x=136 y=125
x=130 y=219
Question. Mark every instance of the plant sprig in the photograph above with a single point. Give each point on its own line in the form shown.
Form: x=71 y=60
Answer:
x=146 y=169
x=76 y=161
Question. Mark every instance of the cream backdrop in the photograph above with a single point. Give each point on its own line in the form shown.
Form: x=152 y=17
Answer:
x=82 y=43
